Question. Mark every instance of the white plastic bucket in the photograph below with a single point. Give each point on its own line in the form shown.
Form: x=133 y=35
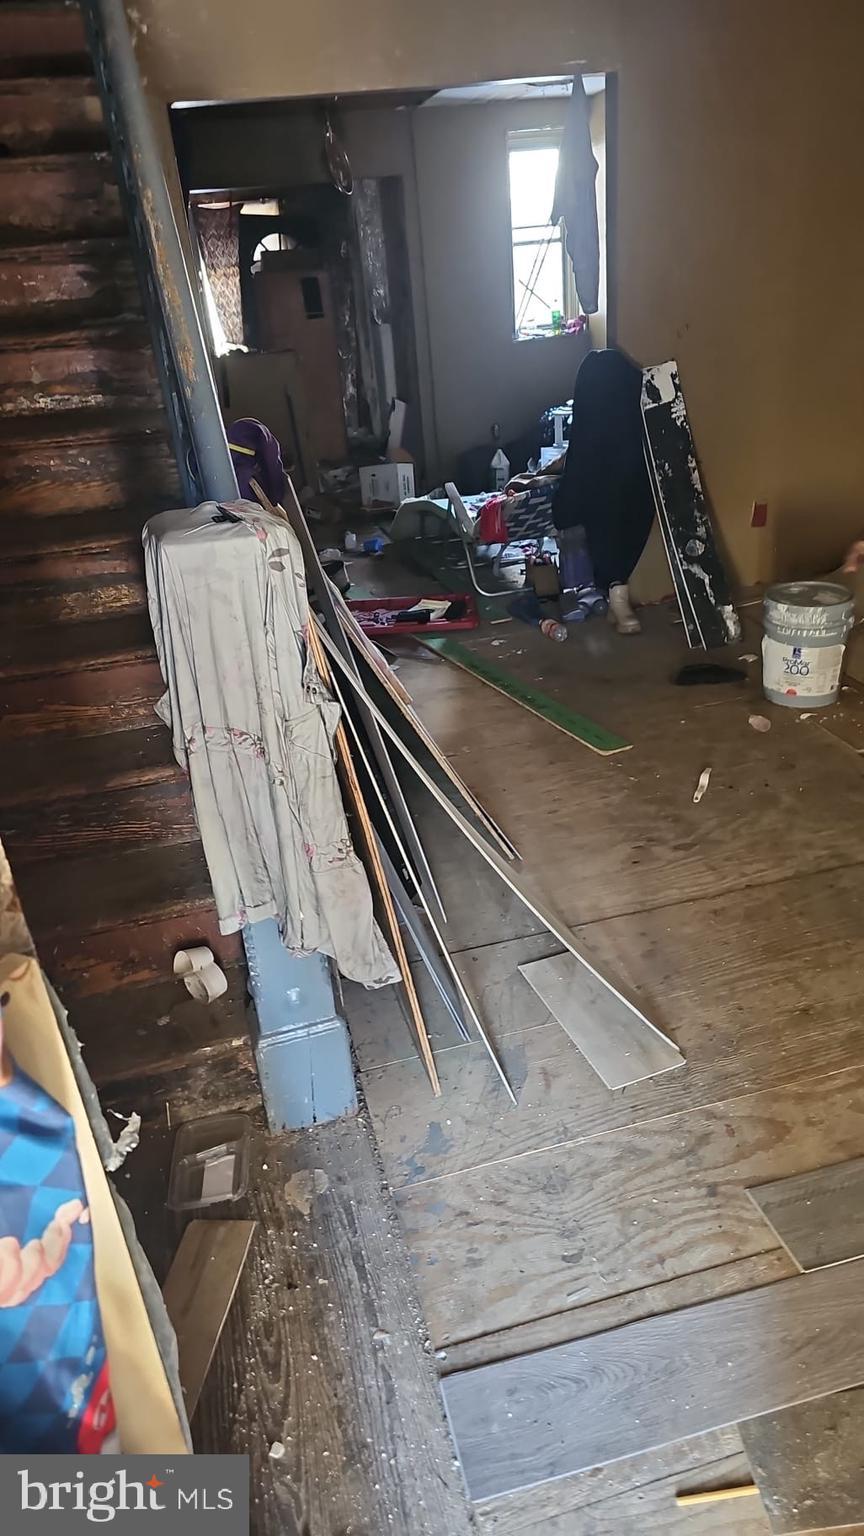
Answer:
x=806 y=627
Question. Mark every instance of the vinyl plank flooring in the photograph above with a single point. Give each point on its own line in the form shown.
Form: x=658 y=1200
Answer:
x=529 y=1236
x=198 y=1294
x=540 y=1416
x=578 y=1322
x=621 y=1046
x=703 y=971
x=818 y=1216
x=808 y=1462
x=636 y=1497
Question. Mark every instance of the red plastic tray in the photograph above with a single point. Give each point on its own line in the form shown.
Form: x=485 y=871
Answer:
x=361 y=605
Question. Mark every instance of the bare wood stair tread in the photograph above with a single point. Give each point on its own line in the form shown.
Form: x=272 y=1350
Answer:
x=44 y=284
x=128 y=334
x=83 y=895
x=84 y=426
x=157 y=1026
x=48 y=197
x=50 y=114
x=107 y=528
x=44 y=38
x=89 y=644
x=54 y=599
x=80 y=765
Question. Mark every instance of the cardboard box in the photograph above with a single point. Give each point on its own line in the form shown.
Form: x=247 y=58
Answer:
x=386 y=484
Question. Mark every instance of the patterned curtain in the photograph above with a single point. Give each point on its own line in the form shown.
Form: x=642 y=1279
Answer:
x=219 y=238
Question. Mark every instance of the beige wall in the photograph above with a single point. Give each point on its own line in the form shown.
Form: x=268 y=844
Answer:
x=738 y=217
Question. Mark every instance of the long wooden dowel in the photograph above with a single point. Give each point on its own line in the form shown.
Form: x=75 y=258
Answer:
x=445 y=953
x=714 y=1495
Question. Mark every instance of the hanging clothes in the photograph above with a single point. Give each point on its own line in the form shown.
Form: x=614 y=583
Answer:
x=253 y=726
x=576 y=198
x=605 y=486
x=218 y=230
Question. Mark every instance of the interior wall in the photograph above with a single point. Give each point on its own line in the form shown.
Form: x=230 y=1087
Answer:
x=480 y=374
x=738 y=224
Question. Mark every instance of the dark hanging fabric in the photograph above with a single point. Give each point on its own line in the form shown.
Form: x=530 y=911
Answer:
x=605 y=485
x=576 y=197
x=219 y=238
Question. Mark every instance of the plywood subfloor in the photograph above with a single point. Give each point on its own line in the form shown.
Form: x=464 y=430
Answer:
x=738 y=922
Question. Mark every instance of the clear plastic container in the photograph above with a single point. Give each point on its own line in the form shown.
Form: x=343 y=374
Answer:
x=210 y=1162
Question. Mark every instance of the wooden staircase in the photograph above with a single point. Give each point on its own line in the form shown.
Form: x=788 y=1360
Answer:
x=94 y=813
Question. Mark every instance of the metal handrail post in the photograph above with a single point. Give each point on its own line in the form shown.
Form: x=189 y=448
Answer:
x=140 y=163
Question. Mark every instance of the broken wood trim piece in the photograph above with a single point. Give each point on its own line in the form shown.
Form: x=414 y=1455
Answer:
x=535 y=903
x=198 y=1293
x=716 y=1495
x=818 y=1216
x=373 y=853
x=558 y=1411
x=622 y=1047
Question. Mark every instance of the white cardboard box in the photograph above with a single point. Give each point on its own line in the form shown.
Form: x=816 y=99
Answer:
x=386 y=484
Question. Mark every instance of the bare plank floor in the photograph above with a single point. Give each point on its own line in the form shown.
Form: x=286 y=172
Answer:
x=736 y=921
x=324 y=1354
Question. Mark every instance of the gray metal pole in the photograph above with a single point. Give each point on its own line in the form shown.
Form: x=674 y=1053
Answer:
x=127 y=104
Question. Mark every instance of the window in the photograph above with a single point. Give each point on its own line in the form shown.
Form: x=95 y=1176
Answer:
x=543 y=295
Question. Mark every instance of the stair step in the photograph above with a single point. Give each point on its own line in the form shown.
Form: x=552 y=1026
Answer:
x=72 y=280
x=88 y=369
x=75 y=537
x=44 y=115
x=101 y=822
x=58 y=195
x=83 y=572
x=118 y=696
x=82 y=965
x=73 y=768
x=158 y=1027
x=102 y=893
x=91 y=644
x=72 y=461
x=42 y=40
x=70 y=599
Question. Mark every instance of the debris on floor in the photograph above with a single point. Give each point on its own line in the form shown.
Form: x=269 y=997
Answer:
x=704 y=779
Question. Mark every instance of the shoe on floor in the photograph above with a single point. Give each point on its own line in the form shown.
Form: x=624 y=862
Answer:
x=620 y=612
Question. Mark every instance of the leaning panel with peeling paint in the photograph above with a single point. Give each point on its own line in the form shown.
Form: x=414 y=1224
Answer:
x=701 y=583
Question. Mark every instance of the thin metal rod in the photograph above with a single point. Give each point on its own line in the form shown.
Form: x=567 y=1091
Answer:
x=140 y=163
x=445 y=953
x=400 y=895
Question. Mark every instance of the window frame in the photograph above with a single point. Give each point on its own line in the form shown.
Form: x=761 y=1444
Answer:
x=522 y=140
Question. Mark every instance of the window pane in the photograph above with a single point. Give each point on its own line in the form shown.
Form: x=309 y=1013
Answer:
x=538 y=282
x=532 y=184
